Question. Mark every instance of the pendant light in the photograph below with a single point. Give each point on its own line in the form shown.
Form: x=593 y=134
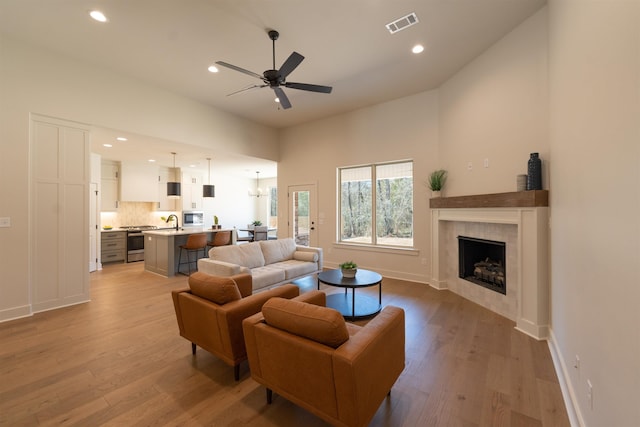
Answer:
x=258 y=192
x=173 y=187
x=209 y=190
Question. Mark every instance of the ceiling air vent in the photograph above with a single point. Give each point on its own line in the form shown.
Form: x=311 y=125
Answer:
x=402 y=23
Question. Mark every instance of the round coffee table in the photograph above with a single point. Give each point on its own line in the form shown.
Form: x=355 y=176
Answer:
x=358 y=306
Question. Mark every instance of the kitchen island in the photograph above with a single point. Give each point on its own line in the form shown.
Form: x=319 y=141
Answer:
x=162 y=247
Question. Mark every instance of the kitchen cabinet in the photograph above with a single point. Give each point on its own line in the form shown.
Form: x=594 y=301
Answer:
x=156 y=254
x=109 y=185
x=138 y=182
x=114 y=246
x=166 y=203
x=191 y=191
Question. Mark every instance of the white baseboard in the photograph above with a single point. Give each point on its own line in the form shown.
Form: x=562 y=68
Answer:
x=15 y=313
x=568 y=393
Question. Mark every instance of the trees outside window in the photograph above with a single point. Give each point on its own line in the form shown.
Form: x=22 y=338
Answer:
x=380 y=214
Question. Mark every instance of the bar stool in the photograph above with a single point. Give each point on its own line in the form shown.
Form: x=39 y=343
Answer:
x=195 y=243
x=221 y=238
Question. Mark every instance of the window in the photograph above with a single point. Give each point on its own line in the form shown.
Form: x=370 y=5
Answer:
x=381 y=214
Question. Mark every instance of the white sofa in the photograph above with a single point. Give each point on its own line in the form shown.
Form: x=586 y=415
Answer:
x=270 y=262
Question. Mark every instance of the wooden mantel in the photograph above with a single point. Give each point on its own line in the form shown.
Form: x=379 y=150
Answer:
x=516 y=199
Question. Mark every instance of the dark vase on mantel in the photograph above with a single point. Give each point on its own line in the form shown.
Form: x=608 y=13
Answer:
x=534 y=173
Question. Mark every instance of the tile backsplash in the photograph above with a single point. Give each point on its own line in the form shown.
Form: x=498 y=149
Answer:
x=134 y=213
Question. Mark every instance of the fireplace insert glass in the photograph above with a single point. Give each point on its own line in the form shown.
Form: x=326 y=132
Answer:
x=483 y=262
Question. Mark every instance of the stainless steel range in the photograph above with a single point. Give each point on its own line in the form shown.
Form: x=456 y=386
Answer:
x=135 y=241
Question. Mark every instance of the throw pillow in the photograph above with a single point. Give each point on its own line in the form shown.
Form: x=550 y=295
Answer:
x=320 y=324
x=305 y=256
x=220 y=290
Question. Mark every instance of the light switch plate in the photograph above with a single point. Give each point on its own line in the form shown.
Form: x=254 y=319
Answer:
x=5 y=222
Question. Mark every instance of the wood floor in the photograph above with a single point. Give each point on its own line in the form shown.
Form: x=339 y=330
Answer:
x=119 y=360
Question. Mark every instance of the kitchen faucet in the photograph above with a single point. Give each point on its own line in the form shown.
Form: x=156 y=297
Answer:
x=176 y=217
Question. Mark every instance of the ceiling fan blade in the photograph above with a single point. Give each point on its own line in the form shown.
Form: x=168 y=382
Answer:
x=246 y=89
x=309 y=87
x=242 y=70
x=290 y=64
x=284 y=101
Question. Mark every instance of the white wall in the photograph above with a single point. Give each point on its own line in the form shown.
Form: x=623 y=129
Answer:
x=38 y=81
x=595 y=203
x=406 y=128
x=496 y=108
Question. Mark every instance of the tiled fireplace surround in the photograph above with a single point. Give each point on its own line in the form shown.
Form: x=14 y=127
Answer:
x=518 y=219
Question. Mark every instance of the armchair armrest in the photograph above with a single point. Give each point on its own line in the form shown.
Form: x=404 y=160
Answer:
x=231 y=315
x=369 y=363
x=245 y=284
x=313 y=297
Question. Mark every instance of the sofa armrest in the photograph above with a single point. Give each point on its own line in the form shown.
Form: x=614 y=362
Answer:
x=368 y=364
x=218 y=268
x=315 y=250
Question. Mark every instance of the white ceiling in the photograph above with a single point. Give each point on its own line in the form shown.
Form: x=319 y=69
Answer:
x=171 y=43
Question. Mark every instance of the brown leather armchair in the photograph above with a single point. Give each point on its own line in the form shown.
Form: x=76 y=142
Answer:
x=210 y=313
x=309 y=355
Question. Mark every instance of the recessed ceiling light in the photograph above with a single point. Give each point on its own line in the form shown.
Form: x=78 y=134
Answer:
x=417 y=48
x=192 y=166
x=213 y=69
x=98 y=16
x=277 y=99
x=107 y=145
x=152 y=160
x=121 y=138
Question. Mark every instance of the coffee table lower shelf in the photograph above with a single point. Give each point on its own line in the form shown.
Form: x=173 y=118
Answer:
x=365 y=306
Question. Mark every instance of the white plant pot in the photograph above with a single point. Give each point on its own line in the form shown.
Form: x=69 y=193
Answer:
x=349 y=273
x=436 y=194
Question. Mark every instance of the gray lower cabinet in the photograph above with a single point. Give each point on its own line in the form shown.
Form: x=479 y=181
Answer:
x=114 y=246
x=156 y=254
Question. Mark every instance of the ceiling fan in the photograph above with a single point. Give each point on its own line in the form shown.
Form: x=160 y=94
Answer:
x=276 y=79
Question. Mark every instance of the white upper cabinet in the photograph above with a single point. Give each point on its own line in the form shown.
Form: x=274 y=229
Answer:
x=139 y=182
x=165 y=175
x=110 y=184
x=191 y=191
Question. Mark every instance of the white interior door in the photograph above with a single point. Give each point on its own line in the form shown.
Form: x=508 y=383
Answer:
x=303 y=215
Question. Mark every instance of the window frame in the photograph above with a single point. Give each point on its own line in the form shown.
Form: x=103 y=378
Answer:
x=374 y=207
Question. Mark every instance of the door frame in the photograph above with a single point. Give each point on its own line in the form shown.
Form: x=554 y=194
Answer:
x=313 y=210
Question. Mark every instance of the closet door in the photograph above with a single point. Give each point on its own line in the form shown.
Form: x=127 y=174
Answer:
x=59 y=237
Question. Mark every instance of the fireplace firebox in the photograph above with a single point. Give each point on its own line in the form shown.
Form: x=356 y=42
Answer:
x=483 y=262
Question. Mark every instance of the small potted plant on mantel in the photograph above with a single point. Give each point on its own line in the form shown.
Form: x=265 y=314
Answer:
x=436 y=182
x=349 y=269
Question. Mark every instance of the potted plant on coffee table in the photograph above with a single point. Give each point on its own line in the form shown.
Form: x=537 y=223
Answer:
x=349 y=269
x=436 y=182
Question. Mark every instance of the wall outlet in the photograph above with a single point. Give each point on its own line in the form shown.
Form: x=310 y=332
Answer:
x=576 y=363
x=470 y=166
x=5 y=221
x=486 y=163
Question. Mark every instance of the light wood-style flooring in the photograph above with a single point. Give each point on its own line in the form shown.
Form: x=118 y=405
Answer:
x=119 y=361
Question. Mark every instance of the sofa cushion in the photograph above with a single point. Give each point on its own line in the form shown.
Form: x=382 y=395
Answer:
x=321 y=324
x=305 y=256
x=293 y=268
x=247 y=255
x=220 y=290
x=266 y=276
x=277 y=250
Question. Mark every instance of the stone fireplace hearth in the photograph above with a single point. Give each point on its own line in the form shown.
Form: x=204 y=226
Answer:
x=518 y=219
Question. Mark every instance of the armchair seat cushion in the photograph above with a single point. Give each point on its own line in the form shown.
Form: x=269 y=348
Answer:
x=220 y=290
x=320 y=324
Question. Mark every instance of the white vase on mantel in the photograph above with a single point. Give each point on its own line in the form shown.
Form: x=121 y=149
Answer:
x=435 y=194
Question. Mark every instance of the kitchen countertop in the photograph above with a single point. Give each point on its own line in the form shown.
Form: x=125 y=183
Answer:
x=182 y=231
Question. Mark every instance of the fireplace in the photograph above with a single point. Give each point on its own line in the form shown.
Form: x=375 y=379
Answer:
x=483 y=262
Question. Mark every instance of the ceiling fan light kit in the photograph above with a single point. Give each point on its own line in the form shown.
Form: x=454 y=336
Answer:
x=276 y=79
